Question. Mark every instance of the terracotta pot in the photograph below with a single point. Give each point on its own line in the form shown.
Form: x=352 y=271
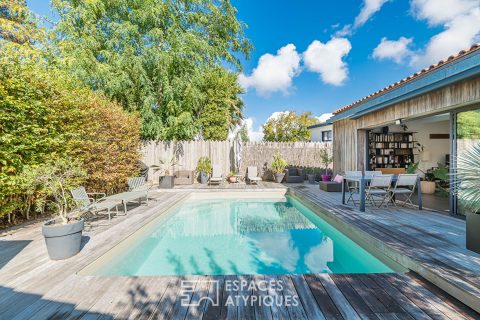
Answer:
x=428 y=187
x=232 y=179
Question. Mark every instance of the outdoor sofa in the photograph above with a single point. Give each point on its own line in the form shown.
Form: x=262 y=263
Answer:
x=294 y=175
x=184 y=177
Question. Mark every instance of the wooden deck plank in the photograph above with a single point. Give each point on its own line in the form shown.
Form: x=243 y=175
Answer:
x=347 y=311
x=326 y=304
x=307 y=299
x=262 y=309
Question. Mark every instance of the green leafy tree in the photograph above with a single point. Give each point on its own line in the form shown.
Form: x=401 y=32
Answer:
x=244 y=133
x=149 y=56
x=289 y=127
x=17 y=24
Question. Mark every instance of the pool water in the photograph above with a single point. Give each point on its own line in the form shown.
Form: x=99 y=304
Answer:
x=241 y=236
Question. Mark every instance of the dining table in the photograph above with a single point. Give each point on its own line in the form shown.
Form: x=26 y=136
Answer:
x=363 y=182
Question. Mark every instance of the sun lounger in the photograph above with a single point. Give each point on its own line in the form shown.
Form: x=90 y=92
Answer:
x=216 y=177
x=252 y=175
x=86 y=203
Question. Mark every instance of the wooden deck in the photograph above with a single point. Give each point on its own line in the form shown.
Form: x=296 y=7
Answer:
x=33 y=287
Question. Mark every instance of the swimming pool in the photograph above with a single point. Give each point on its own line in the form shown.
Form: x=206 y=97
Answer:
x=237 y=235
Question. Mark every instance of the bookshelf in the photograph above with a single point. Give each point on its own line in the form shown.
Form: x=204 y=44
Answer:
x=391 y=150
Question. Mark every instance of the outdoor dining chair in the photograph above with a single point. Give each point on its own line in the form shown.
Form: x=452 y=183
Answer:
x=353 y=187
x=405 y=185
x=379 y=187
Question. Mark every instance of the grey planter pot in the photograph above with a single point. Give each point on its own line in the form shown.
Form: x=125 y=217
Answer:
x=63 y=241
x=166 y=182
x=473 y=232
x=279 y=177
x=203 y=178
x=311 y=178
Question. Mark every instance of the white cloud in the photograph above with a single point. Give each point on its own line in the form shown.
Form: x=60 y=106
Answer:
x=274 y=72
x=326 y=59
x=461 y=22
x=396 y=50
x=277 y=115
x=369 y=8
x=252 y=134
x=438 y=12
x=344 y=32
x=324 y=117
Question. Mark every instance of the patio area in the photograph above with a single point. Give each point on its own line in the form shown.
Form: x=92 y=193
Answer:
x=32 y=286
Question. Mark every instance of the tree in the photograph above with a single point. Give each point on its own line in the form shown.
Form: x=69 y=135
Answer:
x=17 y=24
x=149 y=56
x=220 y=107
x=289 y=127
x=244 y=133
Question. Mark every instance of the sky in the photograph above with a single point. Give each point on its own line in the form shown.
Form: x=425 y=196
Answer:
x=318 y=56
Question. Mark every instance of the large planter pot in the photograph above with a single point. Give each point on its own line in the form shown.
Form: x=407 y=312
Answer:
x=63 y=240
x=326 y=177
x=428 y=187
x=203 y=178
x=166 y=182
x=473 y=232
x=311 y=178
x=279 y=177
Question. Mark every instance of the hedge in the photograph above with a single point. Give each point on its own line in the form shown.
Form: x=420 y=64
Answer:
x=45 y=115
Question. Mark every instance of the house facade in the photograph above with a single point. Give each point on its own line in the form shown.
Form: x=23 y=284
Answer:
x=322 y=132
x=428 y=118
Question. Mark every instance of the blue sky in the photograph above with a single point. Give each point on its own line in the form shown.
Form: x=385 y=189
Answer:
x=346 y=57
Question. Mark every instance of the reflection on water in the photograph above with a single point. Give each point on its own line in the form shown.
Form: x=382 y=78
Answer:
x=243 y=237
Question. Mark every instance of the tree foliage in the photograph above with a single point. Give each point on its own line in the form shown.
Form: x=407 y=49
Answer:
x=46 y=116
x=16 y=22
x=158 y=57
x=289 y=127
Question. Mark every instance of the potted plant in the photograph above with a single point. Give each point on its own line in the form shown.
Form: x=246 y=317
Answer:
x=428 y=184
x=204 y=167
x=278 y=167
x=63 y=234
x=326 y=159
x=166 y=179
x=468 y=192
x=232 y=177
x=311 y=175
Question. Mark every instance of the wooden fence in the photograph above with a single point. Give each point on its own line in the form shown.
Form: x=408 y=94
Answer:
x=222 y=153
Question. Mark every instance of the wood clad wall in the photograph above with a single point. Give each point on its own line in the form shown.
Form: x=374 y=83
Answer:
x=348 y=135
x=187 y=153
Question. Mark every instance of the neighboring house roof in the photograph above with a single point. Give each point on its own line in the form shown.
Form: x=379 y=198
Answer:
x=323 y=124
x=462 y=65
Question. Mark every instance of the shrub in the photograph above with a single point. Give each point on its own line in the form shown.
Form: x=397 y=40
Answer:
x=45 y=116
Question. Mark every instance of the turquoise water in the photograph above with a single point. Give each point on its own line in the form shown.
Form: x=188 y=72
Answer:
x=242 y=236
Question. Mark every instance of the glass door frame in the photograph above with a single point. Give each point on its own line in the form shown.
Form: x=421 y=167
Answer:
x=453 y=156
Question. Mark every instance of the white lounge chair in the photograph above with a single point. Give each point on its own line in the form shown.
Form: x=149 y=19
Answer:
x=87 y=203
x=252 y=175
x=216 y=177
x=139 y=184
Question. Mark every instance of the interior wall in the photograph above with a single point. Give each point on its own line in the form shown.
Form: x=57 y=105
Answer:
x=434 y=149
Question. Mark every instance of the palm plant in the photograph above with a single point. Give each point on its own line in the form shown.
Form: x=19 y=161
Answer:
x=468 y=177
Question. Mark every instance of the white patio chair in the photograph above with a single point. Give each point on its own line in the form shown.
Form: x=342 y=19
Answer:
x=352 y=186
x=216 y=177
x=370 y=174
x=252 y=175
x=405 y=185
x=379 y=187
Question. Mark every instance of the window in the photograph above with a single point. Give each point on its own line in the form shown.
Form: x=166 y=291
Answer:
x=327 y=135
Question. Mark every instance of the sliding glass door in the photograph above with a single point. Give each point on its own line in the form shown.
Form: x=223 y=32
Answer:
x=467 y=134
